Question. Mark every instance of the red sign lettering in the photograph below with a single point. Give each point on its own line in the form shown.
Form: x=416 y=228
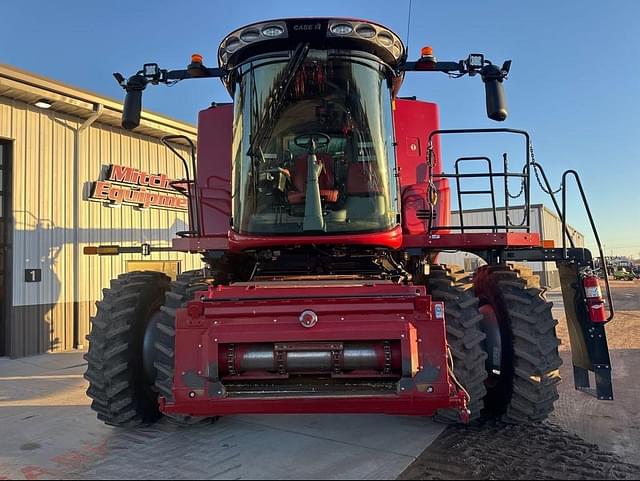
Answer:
x=126 y=185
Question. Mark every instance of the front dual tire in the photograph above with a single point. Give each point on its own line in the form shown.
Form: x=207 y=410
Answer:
x=130 y=360
x=500 y=312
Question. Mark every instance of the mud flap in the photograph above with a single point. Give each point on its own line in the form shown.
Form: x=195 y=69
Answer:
x=589 y=348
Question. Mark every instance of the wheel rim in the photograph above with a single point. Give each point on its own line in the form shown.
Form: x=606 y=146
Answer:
x=493 y=342
x=497 y=347
x=149 y=348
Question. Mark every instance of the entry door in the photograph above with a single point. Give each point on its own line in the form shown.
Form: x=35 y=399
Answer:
x=5 y=223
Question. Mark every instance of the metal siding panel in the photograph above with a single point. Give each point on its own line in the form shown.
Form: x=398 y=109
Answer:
x=547 y=233
x=94 y=226
x=552 y=230
x=67 y=152
x=543 y=220
x=44 y=231
x=485 y=217
x=62 y=214
x=33 y=234
x=88 y=215
x=18 y=133
x=539 y=216
x=50 y=283
x=535 y=222
x=15 y=339
x=43 y=218
x=38 y=237
x=6 y=110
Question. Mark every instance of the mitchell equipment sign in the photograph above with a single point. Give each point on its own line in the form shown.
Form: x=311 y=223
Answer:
x=126 y=185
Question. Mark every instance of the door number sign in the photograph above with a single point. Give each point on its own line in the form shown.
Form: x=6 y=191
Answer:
x=33 y=275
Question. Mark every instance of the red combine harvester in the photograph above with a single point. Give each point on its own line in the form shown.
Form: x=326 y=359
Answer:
x=319 y=204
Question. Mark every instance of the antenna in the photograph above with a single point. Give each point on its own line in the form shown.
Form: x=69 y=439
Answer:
x=409 y=25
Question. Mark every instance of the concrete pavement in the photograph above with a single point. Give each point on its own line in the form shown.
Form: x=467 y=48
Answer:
x=48 y=431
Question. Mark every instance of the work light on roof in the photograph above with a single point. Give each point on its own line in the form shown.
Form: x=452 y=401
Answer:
x=250 y=35
x=272 y=31
x=385 y=39
x=342 y=29
x=366 y=31
x=232 y=45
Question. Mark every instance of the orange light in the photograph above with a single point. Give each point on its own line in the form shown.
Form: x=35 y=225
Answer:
x=426 y=51
x=196 y=58
x=549 y=244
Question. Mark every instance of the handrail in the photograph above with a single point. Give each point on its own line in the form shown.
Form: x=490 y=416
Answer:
x=594 y=230
x=194 y=205
x=525 y=176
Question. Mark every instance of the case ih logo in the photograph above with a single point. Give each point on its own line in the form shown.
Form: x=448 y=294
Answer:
x=126 y=185
x=307 y=27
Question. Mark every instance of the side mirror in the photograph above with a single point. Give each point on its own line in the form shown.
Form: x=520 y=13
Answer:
x=493 y=77
x=133 y=102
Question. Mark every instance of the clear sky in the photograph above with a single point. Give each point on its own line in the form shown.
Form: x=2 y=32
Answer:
x=574 y=83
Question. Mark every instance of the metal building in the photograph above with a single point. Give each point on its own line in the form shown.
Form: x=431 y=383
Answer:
x=71 y=177
x=542 y=220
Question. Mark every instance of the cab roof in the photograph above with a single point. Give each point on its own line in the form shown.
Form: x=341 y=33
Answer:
x=322 y=33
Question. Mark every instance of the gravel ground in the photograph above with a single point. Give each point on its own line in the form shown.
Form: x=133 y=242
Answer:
x=583 y=439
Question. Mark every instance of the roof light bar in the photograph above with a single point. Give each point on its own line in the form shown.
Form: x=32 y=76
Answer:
x=321 y=33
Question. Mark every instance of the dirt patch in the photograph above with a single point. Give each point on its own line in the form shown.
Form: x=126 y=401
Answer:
x=612 y=425
x=494 y=450
x=622 y=333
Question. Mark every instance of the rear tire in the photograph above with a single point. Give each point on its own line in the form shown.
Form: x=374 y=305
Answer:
x=121 y=391
x=182 y=290
x=449 y=284
x=526 y=388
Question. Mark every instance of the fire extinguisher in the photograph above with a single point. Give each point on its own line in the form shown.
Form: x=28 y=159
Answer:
x=595 y=302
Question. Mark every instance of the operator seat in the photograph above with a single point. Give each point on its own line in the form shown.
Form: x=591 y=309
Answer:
x=362 y=179
x=365 y=193
x=327 y=180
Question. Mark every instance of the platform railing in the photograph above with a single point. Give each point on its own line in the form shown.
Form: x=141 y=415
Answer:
x=523 y=176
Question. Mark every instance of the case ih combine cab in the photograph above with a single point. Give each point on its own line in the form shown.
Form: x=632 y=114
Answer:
x=319 y=203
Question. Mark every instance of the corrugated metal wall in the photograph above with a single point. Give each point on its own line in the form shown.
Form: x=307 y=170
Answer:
x=543 y=221
x=46 y=187
x=485 y=217
x=552 y=229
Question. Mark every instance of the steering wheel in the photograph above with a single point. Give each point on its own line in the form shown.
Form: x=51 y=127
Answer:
x=312 y=141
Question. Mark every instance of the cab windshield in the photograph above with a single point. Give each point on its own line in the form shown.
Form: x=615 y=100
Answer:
x=319 y=156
